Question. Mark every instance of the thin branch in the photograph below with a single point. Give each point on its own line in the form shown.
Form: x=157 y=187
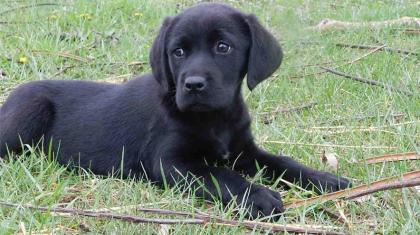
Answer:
x=367 y=81
x=395 y=117
x=333 y=215
x=412 y=31
x=328 y=24
x=306 y=74
x=16 y=22
x=392 y=158
x=199 y=219
x=269 y=119
x=388 y=49
x=329 y=145
x=105 y=215
x=409 y=179
x=318 y=64
x=28 y=6
x=118 y=79
x=62 y=54
x=387 y=186
x=63 y=70
x=342 y=127
x=375 y=49
x=295 y=109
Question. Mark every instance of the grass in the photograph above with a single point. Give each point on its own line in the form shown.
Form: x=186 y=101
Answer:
x=100 y=41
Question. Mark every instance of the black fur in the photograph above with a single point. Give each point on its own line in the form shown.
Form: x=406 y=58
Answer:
x=177 y=122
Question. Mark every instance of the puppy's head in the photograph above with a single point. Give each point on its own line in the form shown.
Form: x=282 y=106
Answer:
x=203 y=54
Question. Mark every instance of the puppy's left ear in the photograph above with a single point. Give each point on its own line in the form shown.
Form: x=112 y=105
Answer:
x=265 y=54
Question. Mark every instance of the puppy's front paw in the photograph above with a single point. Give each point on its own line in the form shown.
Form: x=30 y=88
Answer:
x=327 y=182
x=263 y=202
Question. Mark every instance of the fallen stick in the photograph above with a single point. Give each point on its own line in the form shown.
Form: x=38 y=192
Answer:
x=341 y=127
x=392 y=158
x=118 y=79
x=396 y=116
x=269 y=118
x=409 y=179
x=367 y=81
x=330 y=145
x=375 y=49
x=412 y=31
x=16 y=22
x=104 y=215
x=199 y=219
x=62 y=54
x=328 y=24
x=294 y=109
x=28 y=6
x=385 y=48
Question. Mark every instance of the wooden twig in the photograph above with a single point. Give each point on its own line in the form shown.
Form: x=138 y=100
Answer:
x=328 y=24
x=396 y=116
x=329 y=145
x=333 y=215
x=269 y=119
x=412 y=31
x=409 y=179
x=306 y=74
x=16 y=22
x=62 y=54
x=388 y=49
x=367 y=81
x=342 y=127
x=318 y=64
x=118 y=79
x=392 y=158
x=105 y=215
x=295 y=109
x=391 y=185
x=63 y=70
x=378 y=48
x=199 y=219
x=28 y=6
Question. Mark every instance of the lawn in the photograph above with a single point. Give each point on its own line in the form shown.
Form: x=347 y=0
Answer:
x=109 y=41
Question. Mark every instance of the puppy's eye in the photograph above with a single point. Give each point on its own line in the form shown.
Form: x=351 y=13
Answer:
x=223 y=48
x=178 y=53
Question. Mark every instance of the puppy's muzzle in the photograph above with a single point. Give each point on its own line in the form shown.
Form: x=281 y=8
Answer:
x=195 y=84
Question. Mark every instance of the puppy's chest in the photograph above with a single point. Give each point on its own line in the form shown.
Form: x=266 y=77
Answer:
x=217 y=144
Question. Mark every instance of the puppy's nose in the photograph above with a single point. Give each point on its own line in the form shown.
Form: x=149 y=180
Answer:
x=195 y=83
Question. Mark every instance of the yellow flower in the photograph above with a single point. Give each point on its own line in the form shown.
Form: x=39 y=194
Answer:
x=52 y=17
x=138 y=14
x=23 y=60
x=86 y=16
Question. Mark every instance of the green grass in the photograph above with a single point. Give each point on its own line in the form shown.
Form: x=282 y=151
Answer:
x=113 y=34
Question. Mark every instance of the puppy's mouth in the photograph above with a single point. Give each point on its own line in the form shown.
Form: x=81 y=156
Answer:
x=196 y=107
x=195 y=102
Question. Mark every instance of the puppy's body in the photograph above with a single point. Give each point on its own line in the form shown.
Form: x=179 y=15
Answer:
x=172 y=124
x=101 y=126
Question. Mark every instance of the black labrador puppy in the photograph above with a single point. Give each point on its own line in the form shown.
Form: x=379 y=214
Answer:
x=175 y=123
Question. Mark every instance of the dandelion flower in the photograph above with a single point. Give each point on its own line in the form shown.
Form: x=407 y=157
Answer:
x=23 y=60
x=138 y=14
x=86 y=16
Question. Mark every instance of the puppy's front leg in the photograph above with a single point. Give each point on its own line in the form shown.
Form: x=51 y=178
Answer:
x=289 y=169
x=221 y=183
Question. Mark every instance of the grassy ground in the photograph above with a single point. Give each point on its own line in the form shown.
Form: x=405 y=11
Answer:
x=109 y=38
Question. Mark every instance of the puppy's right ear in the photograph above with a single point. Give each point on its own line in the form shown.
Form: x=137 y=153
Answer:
x=159 y=58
